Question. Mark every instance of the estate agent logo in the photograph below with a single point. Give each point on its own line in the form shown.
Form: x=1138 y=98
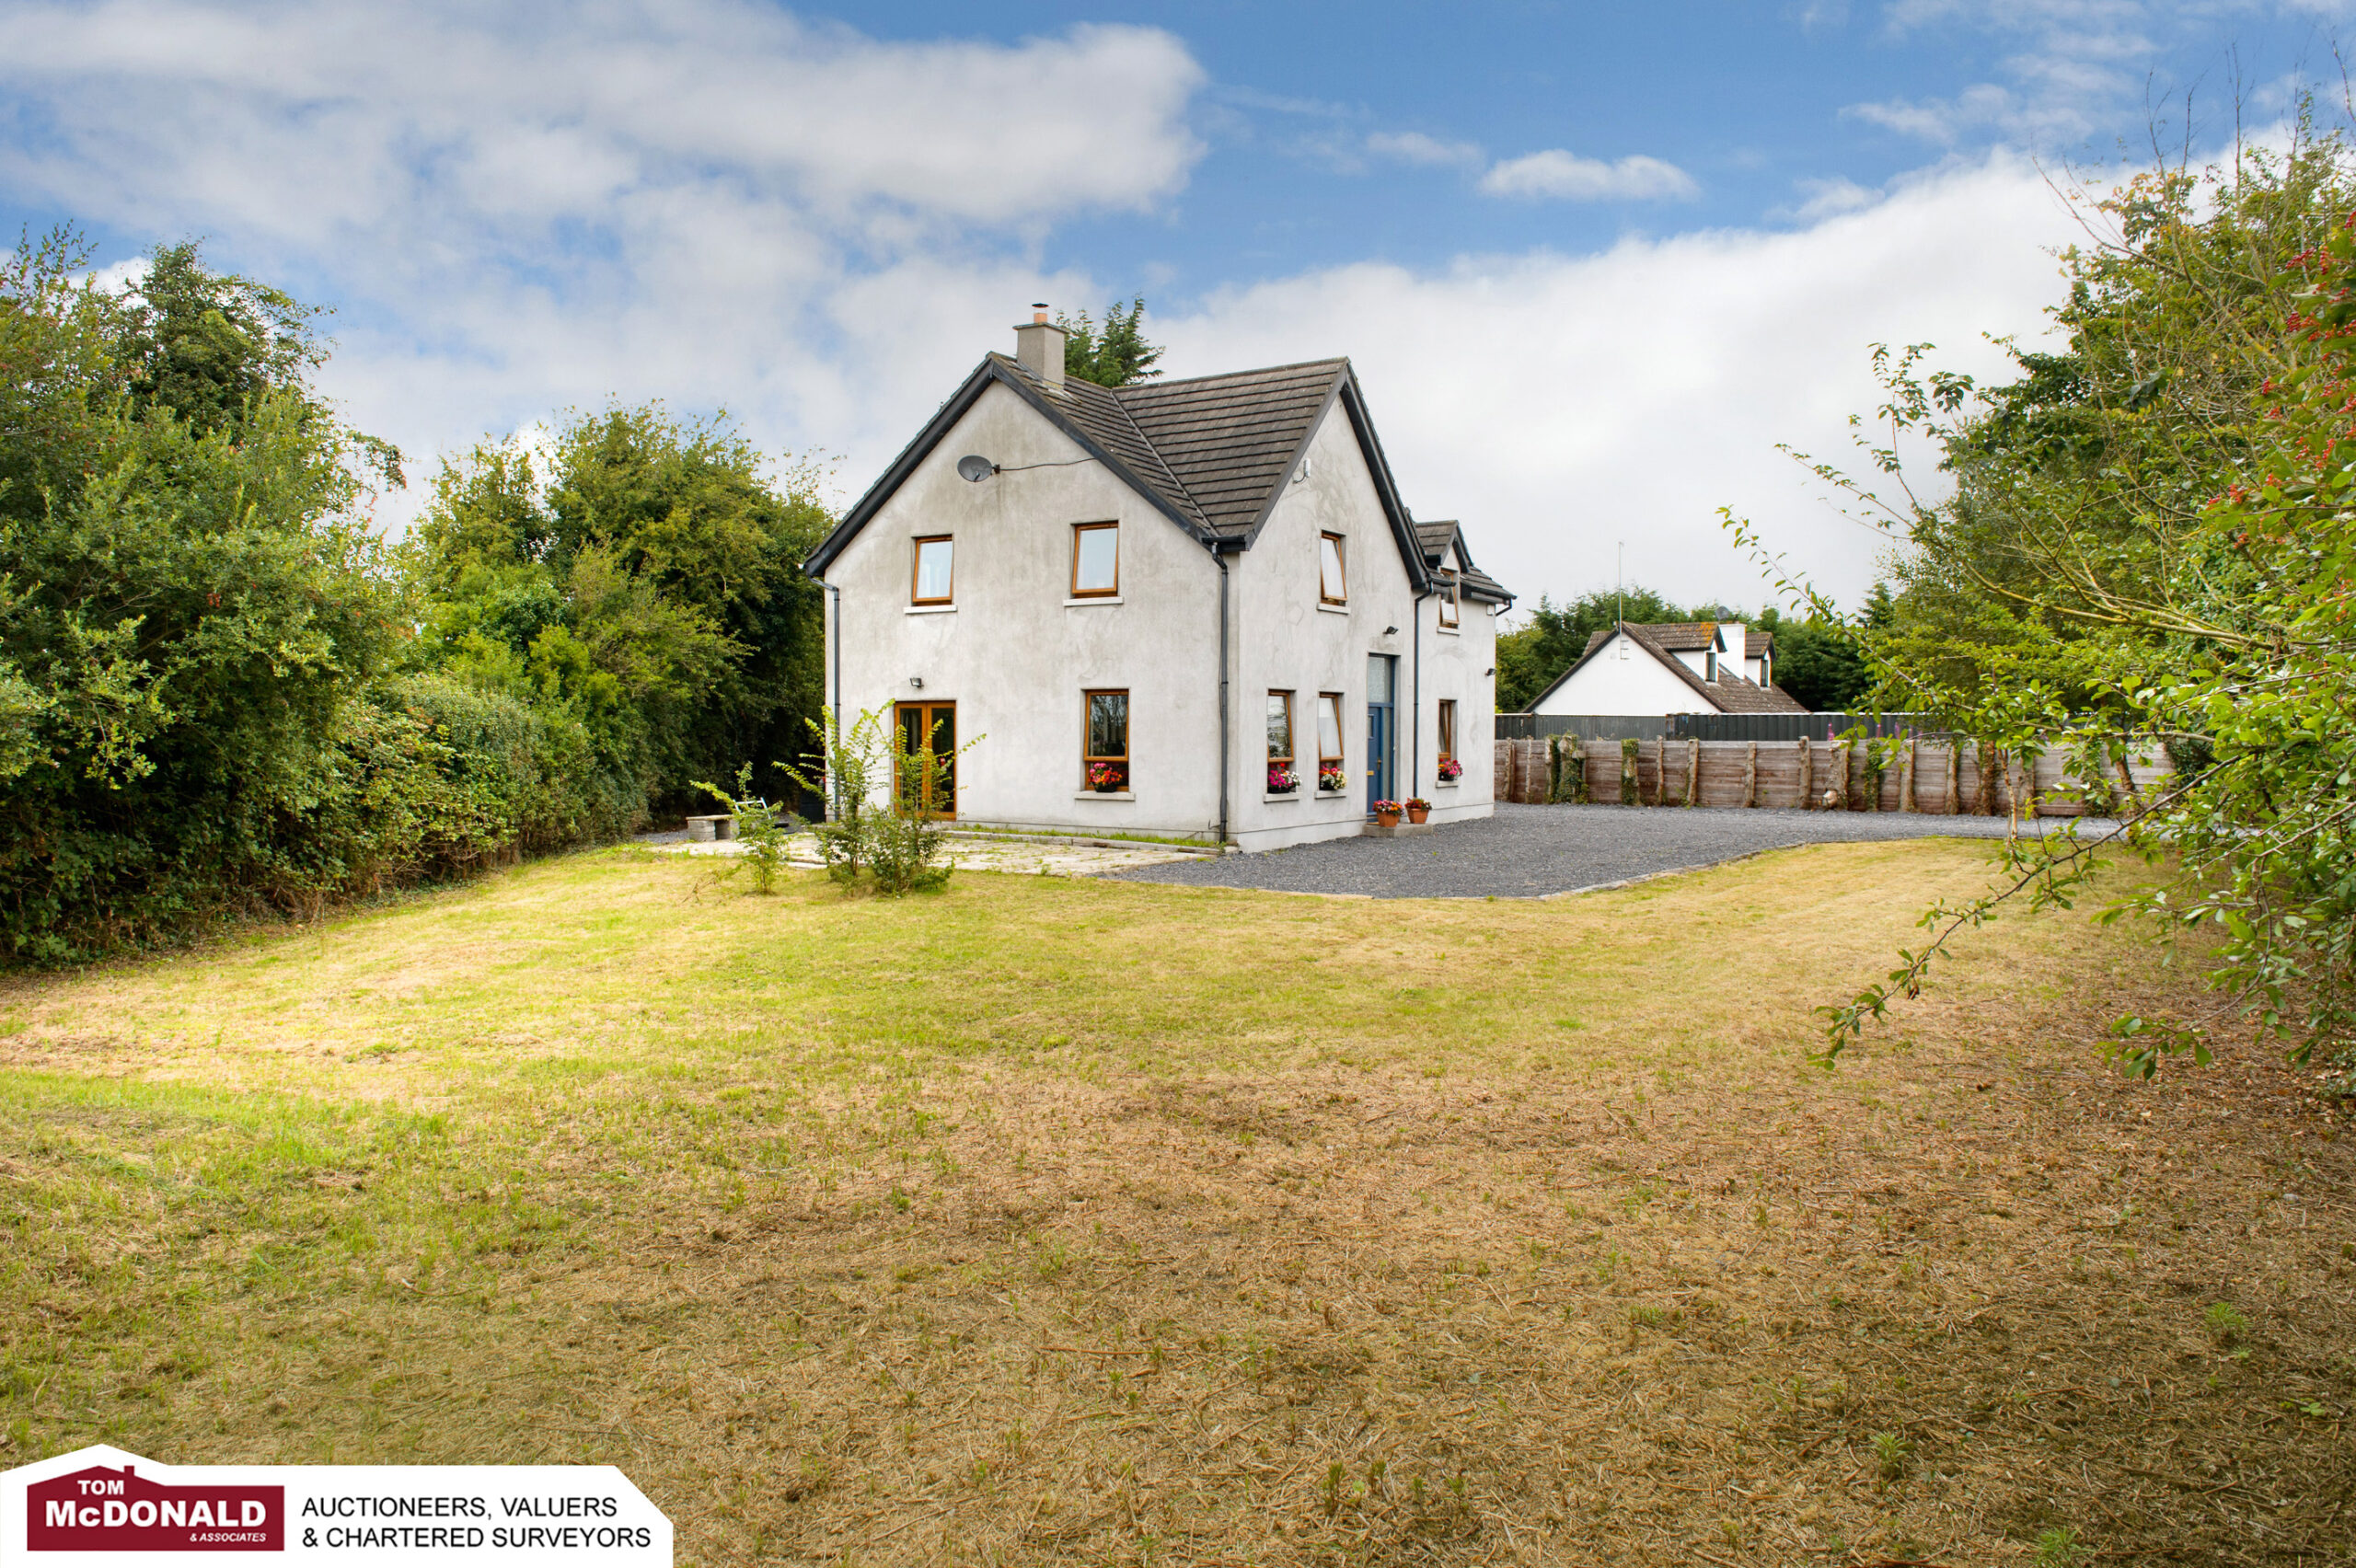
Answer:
x=104 y=1508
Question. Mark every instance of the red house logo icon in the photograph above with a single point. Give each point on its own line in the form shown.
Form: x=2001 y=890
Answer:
x=100 y=1509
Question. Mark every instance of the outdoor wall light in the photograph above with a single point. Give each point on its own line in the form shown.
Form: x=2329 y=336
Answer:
x=916 y=682
x=1487 y=673
x=1390 y=631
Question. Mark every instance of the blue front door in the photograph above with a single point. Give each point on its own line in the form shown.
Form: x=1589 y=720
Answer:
x=1381 y=728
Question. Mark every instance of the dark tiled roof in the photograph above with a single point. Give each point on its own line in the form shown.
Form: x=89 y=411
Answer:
x=1233 y=440
x=1737 y=694
x=1758 y=644
x=1214 y=453
x=1434 y=538
x=1730 y=693
x=1684 y=635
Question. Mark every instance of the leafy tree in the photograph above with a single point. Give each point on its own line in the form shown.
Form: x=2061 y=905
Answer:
x=190 y=602
x=1115 y=355
x=649 y=586
x=1819 y=662
x=2150 y=539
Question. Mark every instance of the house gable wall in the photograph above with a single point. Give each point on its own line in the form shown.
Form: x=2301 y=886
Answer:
x=1286 y=641
x=1013 y=656
x=1638 y=685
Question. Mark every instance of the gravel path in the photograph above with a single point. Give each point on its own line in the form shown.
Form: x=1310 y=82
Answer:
x=1531 y=851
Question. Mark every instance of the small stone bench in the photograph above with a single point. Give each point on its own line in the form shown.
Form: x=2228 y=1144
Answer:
x=710 y=829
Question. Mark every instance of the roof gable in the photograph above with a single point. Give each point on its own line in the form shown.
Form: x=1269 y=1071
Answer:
x=1213 y=453
x=1437 y=540
x=1730 y=693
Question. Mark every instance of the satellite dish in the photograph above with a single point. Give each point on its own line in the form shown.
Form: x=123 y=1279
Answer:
x=974 y=470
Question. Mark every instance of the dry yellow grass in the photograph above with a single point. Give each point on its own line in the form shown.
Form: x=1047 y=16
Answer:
x=1069 y=1222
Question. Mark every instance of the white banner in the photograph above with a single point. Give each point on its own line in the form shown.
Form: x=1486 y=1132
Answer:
x=135 y=1513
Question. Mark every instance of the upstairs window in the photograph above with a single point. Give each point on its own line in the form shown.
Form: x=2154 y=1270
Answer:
x=1448 y=604
x=1333 y=587
x=1448 y=729
x=1095 y=560
x=932 y=571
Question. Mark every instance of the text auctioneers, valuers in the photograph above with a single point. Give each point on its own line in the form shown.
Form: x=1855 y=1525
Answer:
x=102 y=1506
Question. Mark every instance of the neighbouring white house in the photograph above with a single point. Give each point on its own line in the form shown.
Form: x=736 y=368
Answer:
x=1155 y=603
x=1661 y=668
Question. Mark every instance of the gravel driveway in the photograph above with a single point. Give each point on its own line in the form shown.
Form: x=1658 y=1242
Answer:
x=1531 y=851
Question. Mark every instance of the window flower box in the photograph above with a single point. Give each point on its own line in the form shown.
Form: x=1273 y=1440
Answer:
x=1333 y=780
x=1282 y=780
x=1107 y=778
x=1450 y=770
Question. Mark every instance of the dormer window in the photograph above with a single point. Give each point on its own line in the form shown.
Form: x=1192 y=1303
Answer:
x=1709 y=663
x=1332 y=587
x=1447 y=602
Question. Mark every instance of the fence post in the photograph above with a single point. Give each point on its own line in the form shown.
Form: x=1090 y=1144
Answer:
x=1906 y=780
x=1692 y=772
x=1578 y=771
x=1751 y=775
x=1955 y=776
x=1628 y=796
x=1807 y=777
x=1848 y=766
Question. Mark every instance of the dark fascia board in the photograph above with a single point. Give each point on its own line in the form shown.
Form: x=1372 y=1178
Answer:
x=1676 y=666
x=990 y=370
x=1403 y=526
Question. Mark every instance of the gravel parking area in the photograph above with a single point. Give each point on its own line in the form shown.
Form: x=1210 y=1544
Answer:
x=1533 y=851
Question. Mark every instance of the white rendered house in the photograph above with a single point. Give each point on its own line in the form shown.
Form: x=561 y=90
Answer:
x=1154 y=602
x=1643 y=670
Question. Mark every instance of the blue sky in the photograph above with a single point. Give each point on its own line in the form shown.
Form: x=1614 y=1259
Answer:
x=1594 y=261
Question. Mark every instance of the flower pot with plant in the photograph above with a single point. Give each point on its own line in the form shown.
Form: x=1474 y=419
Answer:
x=1332 y=779
x=1387 y=812
x=1107 y=778
x=1282 y=780
x=1418 y=809
x=1450 y=770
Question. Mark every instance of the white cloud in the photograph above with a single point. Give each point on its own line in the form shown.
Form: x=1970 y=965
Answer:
x=1567 y=177
x=520 y=208
x=1415 y=148
x=2078 y=63
x=1559 y=403
x=1825 y=199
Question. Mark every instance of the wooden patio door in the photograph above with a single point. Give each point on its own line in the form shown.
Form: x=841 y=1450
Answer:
x=930 y=729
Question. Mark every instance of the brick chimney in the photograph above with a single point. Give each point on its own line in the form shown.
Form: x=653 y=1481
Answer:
x=1039 y=347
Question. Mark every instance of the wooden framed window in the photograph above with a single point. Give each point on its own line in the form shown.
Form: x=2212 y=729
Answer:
x=1447 y=602
x=1333 y=581
x=1448 y=729
x=924 y=772
x=1329 y=729
x=1280 y=726
x=1095 y=560
x=1104 y=758
x=933 y=573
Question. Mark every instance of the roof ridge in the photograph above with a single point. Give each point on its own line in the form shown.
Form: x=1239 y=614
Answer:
x=1155 y=383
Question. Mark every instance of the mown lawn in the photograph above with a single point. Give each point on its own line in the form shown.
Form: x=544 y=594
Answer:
x=1046 y=1221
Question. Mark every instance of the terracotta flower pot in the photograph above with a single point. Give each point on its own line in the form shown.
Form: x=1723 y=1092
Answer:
x=1417 y=813
x=1387 y=819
